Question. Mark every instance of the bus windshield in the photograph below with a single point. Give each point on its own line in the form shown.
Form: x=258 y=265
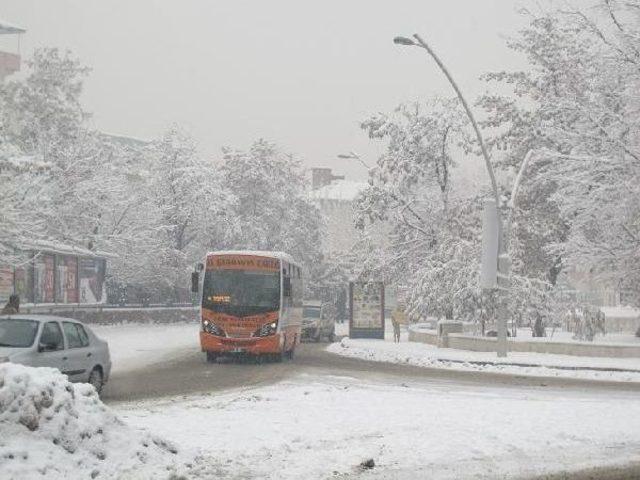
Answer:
x=241 y=292
x=311 y=312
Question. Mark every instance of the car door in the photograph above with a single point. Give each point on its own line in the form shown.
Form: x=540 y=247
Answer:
x=51 y=351
x=79 y=355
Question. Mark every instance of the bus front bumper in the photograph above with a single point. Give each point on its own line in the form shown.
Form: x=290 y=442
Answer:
x=252 y=346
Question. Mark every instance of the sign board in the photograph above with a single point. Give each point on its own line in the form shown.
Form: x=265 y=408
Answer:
x=6 y=283
x=490 y=243
x=366 y=310
x=91 y=273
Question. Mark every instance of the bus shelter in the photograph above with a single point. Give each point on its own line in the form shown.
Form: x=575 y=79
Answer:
x=54 y=273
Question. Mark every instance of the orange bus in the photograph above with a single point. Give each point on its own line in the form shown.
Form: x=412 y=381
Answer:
x=251 y=304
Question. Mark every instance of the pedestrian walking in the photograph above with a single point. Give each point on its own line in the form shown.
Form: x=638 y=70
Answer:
x=395 y=321
x=12 y=306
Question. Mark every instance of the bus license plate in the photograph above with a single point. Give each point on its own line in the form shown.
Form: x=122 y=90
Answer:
x=238 y=350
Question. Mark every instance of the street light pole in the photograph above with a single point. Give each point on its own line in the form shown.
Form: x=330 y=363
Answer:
x=503 y=259
x=353 y=156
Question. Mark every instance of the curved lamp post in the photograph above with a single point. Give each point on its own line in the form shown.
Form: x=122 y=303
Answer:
x=503 y=261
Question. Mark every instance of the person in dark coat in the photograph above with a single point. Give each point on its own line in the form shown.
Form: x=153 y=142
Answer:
x=12 y=306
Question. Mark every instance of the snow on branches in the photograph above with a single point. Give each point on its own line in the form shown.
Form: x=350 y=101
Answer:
x=434 y=231
x=271 y=210
x=577 y=107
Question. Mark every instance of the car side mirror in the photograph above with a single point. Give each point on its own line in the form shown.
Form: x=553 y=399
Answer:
x=195 y=281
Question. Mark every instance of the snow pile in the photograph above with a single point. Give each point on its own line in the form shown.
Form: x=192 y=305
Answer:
x=53 y=429
x=516 y=363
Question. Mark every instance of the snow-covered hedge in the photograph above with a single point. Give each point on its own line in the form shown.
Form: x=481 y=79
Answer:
x=51 y=428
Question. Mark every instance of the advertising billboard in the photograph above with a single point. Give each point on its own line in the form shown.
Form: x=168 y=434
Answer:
x=6 y=284
x=91 y=280
x=44 y=274
x=366 y=305
x=23 y=282
x=66 y=279
x=54 y=277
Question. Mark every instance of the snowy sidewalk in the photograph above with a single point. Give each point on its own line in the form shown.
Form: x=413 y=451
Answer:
x=516 y=363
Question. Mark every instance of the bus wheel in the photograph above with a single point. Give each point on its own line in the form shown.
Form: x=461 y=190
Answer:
x=212 y=357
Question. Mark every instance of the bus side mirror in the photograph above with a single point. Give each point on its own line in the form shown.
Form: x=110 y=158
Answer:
x=195 y=282
x=286 y=287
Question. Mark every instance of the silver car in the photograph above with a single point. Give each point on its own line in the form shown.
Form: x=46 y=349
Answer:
x=62 y=343
x=317 y=321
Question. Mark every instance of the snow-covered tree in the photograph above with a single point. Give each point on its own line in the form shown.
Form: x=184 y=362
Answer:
x=42 y=113
x=271 y=210
x=188 y=204
x=434 y=229
x=577 y=103
x=42 y=116
x=24 y=196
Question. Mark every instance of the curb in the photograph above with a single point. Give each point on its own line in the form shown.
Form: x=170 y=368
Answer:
x=537 y=365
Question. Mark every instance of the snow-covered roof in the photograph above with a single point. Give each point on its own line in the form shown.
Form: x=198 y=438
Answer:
x=126 y=139
x=345 y=190
x=23 y=162
x=62 y=249
x=256 y=253
x=6 y=27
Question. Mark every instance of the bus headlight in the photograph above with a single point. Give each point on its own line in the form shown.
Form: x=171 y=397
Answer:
x=213 y=329
x=266 y=330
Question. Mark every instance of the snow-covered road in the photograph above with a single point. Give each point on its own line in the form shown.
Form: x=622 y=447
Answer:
x=321 y=415
x=134 y=346
x=320 y=426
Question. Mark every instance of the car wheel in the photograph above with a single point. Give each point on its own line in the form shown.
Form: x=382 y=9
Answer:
x=96 y=379
x=212 y=357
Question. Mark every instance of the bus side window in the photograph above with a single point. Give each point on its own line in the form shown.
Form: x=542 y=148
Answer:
x=286 y=287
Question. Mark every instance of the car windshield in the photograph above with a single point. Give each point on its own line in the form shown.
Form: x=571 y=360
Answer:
x=17 y=332
x=241 y=292
x=311 y=312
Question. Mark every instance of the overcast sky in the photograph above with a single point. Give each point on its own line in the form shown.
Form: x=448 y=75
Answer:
x=300 y=73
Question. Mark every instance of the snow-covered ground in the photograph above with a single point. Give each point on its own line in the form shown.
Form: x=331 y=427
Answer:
x=423 y=355
x=135 y=346
x=559 y=336
x=621 y=311
x=524 y=335
x=316 y=427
